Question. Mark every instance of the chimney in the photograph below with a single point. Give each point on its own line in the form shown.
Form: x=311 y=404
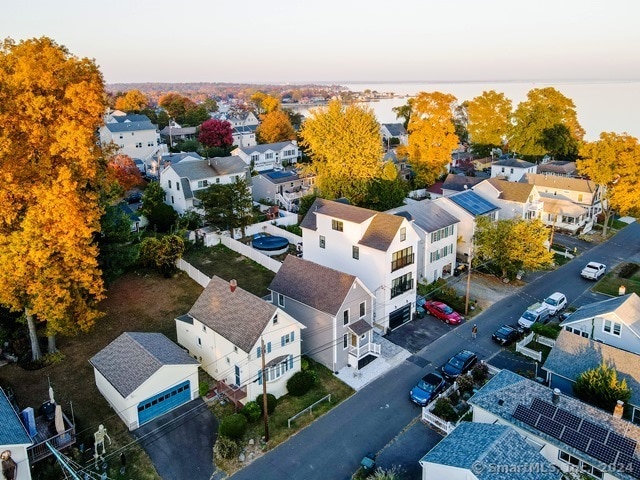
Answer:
x=617 y=411
x=556 y=395
x=232 y=285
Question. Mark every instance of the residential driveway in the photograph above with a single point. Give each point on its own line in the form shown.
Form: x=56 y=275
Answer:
x=419 y=333
x=180 y=443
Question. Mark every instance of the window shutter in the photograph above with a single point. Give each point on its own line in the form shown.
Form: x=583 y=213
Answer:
x=268 y=347
x=258 y=354
x=291 y=361
x=293 y=336
x=259 y=377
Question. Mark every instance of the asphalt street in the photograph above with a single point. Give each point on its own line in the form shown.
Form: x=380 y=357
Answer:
x=333 y=446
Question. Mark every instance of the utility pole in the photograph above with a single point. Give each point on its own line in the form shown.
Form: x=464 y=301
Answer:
x=466 y=300
x=265 y=413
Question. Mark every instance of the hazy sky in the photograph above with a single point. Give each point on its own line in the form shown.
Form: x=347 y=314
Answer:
x=340 y=41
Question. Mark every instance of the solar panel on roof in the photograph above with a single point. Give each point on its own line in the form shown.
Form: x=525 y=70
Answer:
x=635 y=468
x=544 y=408
x=575 y=439
x=567 y=419
x=524 y=414
x=550 y=427
x=473 y=203
x=624 y=463
x=602 y=452
x=624 y=444
x=594 y=431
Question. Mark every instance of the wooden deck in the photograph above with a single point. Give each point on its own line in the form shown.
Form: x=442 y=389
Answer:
x=47 y=433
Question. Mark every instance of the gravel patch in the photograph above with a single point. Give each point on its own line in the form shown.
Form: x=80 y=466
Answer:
x=486 y=289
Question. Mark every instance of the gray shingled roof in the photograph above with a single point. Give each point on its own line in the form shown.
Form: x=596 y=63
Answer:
x=506 y=390
x=558 y=167
x=238 y=316
x=474 y=444
x=573 y=354
x=460 y=183
x=561 y=183
x=319 y=287
x=186 y=188
x=428 y=215
x=512 y=191
x=513 y=162
x=360 y=327
x=337 y=210
x=381 y=231
x=130 y=117
x=12 y=431
x=395 y=129
x=625 y=307
x=130 y=126
x=133 y=357
x=213 y=167
x=167 y=131
x=175 y=158
x=265 y=147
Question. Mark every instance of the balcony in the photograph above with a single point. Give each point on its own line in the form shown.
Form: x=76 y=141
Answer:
x=402 y=262
x=234 y=393
x=535 y=207
x=401 y=287
x=368 y=348
x=47 y=432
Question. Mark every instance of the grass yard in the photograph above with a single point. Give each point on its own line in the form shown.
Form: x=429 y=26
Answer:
x=139 y=301
x=611 y=282
x=227 y=264
x=288 y=406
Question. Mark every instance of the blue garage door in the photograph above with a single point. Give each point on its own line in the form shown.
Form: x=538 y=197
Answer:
x=159 y=404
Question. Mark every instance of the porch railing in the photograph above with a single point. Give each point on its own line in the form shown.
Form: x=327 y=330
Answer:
x=234 y=393
x=366 y=349
x=39 y=450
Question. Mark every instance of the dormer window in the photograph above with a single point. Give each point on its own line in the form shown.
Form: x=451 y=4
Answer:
x=337 y=225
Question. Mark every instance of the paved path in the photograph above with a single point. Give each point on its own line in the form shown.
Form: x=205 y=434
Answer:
x=333 y=446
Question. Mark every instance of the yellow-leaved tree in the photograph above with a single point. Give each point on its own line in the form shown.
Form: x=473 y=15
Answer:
x=275 y=127
x=345 y=145
x=432 y=136
x=612 y=163
x=132 y=101
x=489 y=117
x=51 y=104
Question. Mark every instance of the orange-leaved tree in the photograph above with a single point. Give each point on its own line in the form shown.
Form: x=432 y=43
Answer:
x=51 y=170
x=275 y=127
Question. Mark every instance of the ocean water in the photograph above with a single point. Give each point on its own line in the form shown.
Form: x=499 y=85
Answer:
x=601 y=106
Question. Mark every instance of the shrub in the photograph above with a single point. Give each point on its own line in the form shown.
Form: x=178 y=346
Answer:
x=300 y=383
x=444 y=410
x=272 y=402
x=225 y=448
x=233 y=426
x=252 y=411
x=549 y=330
x=480 y=372
x=304 y=364
x=465 y=384
x=203 y=388
x=628 y=270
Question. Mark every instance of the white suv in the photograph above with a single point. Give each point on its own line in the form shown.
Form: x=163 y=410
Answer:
x=555 y=303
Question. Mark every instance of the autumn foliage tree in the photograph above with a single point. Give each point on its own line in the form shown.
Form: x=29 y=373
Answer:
x=432 y=136
x=345 y=145
x=134 y=101
x=184 y=110
x=51 y=104
x=489 y=117
x=122 y=170
x=275 y=127
x=216 y=133
x=612 y=163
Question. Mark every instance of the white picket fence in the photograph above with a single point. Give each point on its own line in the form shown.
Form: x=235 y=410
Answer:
x=521 y=346
x=193 y=272
x=251 y=253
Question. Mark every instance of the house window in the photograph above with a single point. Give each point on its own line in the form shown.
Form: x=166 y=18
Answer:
x=403 y=234
x=217 y=179
x=580 y=197
x=199 y=342
x=401 y=258
x=139 y=145
x=580 y=465
x=363 y=311
x=401 y=284
x=511 y=171
x=203 y=183
x=611 y=327
x=177 y=186
x=235 y=349
x=268 y=156
x=337 y=225
x=286 y=339
x=172 y=199
x=255 y=158
x=121 y=136
x=280 y=300
x=204 y=328
x=169 y=183
x=345 y=317
x=355 y=252
x=275 y=319
x=150 y=144
x=322 y=242
x=345 y=341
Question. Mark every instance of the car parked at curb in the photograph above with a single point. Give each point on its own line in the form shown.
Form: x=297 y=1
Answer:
x=536 y=313
x=593 y=270
x=555 y=303
x=427 y=389
x=506 y=335
x=459 y=364
x=443 y=312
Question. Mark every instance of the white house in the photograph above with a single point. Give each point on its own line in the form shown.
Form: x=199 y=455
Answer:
x=515 y=199
x=285 y=188
x=229 y=330
x=244 y=126
x=614 y=321
x=269 y=156
x=394 y=130
x=467 y=206
x=335 y=307
x=14 y=438
x=378 y=248
x=568 y=433
x=513 y=169
x=182 y=181
x=143 y=376
x=458 y=183
x=135 y=135
x=438 y=232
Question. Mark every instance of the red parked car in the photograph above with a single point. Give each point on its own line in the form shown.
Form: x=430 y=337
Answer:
x=444 y=312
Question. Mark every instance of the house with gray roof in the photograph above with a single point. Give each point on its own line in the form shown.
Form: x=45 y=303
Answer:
x=574 y=354
x=144 y=375
x=513 y=169
x=458 y=183
x=285 y=188
x=335 y=307
x=481 y=451
x=378 y=248
x=173 y=134
x=133 y=134
x=243 y=124
x=438 y=233
x=181 y=181
x=568 y=433
x=390 y=131
x=229 y=330
x=614 y=321
x=559 y=168
x=269 y=156
x=14 y=437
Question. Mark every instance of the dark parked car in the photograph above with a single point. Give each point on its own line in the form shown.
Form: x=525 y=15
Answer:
x=444 y=312
x=426 y=389
x=459 y=364
x=135 y=197
x=506 y=335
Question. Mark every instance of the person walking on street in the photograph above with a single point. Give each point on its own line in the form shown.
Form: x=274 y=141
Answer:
x=474 y=332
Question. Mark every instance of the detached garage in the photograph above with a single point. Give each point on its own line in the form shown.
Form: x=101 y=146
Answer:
x=144 y=376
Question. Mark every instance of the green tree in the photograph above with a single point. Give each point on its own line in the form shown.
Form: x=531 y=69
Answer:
x=162 y=217
x=432 y=136
x=387 y=191
x=512 y=245
x=345 y=145
x=162 y=253
x=118 y=250
x=489 y=120
x=152 y=196
x=600 y=387
x=559 y=143
x=195 y=116
x=210 y=105
x=305 y=204
x=275 y=127
x=134 y=101
x=404 y=112
x=228 y=206
x=461 y=122
x=612 y=163
x=51 y=104
x=544 y=108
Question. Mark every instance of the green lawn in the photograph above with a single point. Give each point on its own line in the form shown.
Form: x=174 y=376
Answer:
x=227 y=264
x=611 y=282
